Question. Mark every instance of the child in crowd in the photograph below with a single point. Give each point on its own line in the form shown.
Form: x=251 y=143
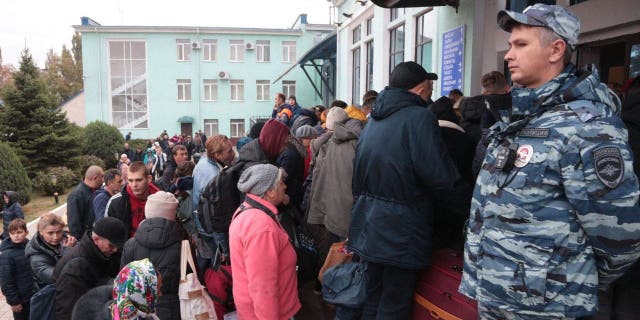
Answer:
x=12 y=210
x=15 y=272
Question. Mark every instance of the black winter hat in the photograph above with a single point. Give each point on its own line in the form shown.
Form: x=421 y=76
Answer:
x=111 y=229
x=409 y=74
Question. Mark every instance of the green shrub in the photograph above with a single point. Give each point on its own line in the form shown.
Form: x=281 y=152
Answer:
x=138 y=143
x=63 y=176
x=80 y=164
x=13 y=176
x=103 y=141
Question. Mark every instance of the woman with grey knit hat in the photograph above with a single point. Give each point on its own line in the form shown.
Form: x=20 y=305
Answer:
x=262 y=258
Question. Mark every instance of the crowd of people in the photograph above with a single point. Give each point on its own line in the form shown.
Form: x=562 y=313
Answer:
x=551 y=224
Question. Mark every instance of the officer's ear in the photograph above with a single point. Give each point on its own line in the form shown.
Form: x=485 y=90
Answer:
x=558 y=49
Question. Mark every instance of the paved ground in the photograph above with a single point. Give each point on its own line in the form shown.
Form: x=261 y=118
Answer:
x=5 y=310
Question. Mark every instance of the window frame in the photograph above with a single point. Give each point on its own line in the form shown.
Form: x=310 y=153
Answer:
x=263 y=90
x=213 y=88
x=184 y=89
x=262 y=47
x=236 y=125
x=211 y=124
x=210 y=47
x=183 y=49
x=289 y=54
x=236 y=85
x=393 y=43
x=288 y=88
x=236 y=50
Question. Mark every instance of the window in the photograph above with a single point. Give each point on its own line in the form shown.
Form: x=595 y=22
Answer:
x=423 y=43
x=634 y=66
x=209 y=50
x=355 y=92
x=396 y=47
x=356 y=34
x=237 y=50
x=288 y=51
x=210 y=127
x=237 y=128
x=184 y=89
x=128 y=79
x=210 y=90
x=369 y=75
x=263 y=51
x=288 y=88
x=369 y=26
x=263 y=90
x=397 y=13
x=237 y=90
x=574 y=2
x=520 y=5
x=184 y=49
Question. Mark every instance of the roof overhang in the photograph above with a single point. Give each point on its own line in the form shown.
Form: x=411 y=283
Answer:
x=415 y=3
x=186 y=119
x=325 y=49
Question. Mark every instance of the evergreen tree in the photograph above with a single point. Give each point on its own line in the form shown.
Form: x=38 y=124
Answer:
x=103 y=141
x=41 y=135
x=13 y=177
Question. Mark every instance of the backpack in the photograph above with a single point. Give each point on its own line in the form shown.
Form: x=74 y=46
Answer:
x=219 y=201
x=185 y=212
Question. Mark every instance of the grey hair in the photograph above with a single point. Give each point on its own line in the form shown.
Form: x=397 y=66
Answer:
x=547 y=37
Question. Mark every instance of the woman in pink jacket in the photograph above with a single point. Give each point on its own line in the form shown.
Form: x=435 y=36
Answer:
x=262 y=258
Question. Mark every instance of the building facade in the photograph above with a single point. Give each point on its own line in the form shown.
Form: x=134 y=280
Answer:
x=462 y=43
x=146 y=79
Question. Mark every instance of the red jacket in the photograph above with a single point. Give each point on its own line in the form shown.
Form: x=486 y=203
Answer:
x=264 y=265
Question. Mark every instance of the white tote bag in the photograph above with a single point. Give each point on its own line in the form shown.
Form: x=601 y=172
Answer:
x=195 y=302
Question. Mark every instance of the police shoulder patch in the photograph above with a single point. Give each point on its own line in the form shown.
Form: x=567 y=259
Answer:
x=609 y=166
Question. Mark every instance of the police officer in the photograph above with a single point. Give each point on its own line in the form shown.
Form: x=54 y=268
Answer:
x=555 y=215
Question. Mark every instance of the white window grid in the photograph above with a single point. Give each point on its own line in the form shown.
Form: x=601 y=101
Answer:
x=263 y=51
x=288 y=51
x=184 y=89
x=183 y=47
x=210 y=127
x=288 y=88
x=237 y=50
x=237 y=90
x=210 y=90
x=263 y=88
x=237 y=128
x=209 y=50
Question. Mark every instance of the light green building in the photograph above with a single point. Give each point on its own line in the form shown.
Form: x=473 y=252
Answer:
x=146 y=79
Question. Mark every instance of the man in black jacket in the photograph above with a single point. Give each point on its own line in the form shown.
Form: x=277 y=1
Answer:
x=401 y=169
x=80 y=215
x=179 y=155
x=93 y=262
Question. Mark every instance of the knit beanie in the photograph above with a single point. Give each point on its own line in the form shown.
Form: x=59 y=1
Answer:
x=335 y=115
x=111 y=229
x=161 y=205
x=407 y=75
x=306 y=132
x=273 y=137
x=258 y=178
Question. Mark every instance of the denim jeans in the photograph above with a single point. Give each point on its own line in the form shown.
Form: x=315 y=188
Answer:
x=390 y=292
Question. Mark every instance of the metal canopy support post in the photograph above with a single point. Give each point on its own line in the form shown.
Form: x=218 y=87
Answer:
x=326 y=83
x=315 y=88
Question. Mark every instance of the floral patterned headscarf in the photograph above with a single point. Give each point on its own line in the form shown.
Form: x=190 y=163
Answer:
x=135 y=291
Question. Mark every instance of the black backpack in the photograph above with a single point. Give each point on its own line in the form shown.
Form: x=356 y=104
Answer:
x=219 y=201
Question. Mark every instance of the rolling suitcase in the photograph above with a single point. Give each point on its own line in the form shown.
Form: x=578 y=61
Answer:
x=437 y=295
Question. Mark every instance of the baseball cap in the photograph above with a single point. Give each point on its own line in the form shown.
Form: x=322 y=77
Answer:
x=558 y=19
x=407 y=75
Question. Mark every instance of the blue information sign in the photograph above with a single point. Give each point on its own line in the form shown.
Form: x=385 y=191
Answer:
x=452 y=61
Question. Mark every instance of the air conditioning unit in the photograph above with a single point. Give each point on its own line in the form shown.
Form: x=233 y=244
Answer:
x=249 y=46
x=223 y=75
x=195 y=45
